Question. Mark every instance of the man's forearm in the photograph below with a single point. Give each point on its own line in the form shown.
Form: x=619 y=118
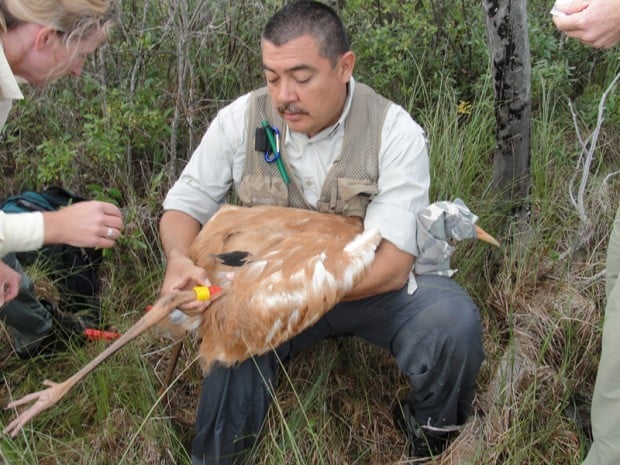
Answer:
x=177 y=231
x=389 y=272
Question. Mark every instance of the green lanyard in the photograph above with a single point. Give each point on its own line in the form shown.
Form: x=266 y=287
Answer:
x=273 y=138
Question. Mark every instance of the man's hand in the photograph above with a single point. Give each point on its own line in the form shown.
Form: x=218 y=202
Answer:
x=182 y=274
x=178 y=230
x=9 y=283
x=593 y=22
x=84 y=224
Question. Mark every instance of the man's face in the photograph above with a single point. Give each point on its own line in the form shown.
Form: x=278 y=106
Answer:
x=51 y=58
x=306 y=90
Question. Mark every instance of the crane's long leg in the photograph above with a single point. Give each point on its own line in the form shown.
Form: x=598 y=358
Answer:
x=174 y=359
x=46 y=398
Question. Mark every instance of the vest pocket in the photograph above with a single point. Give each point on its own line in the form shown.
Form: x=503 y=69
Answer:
x=353 y=196
x=256 y=189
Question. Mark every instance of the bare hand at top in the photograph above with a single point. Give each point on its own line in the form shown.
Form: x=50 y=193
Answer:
x=593 y=22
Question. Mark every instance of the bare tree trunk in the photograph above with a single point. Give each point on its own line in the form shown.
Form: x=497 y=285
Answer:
x=193 y=22
x=510 y=55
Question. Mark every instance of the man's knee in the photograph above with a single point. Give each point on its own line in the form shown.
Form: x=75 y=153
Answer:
x=462 y=322
x=440 y=349
x=446 y=306
x=448 y=329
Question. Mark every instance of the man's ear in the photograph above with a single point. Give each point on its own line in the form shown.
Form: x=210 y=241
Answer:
x=346 y=64
x=45 y=37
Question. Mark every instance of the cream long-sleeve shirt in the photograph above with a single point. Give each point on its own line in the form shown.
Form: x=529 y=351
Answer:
x=403 y=182
x=19 y=232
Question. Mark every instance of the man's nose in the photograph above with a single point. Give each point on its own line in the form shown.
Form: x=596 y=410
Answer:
x=286 y=92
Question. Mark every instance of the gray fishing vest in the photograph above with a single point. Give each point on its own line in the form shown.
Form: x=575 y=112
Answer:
x=350 y=184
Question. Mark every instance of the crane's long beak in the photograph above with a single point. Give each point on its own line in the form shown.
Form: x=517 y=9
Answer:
x=485 y=236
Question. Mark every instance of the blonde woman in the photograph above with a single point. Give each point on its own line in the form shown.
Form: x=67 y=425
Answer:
x=41 y=41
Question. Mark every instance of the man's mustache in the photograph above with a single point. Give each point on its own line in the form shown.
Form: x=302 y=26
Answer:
x=289 y=108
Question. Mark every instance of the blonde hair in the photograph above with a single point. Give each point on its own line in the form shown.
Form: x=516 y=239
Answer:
x=75 y=19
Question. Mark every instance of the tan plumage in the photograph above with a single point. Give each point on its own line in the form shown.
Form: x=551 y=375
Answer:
x=299 y=264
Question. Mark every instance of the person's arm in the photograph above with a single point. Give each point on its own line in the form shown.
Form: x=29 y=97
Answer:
x=177 y=231
x=389 y=272
x=594 y=22
x=198 y=193
x=84 y=224
x=403 y=185
x=9 y=283
x=20 y=232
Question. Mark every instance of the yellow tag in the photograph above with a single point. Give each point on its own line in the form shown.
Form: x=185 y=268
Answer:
x=202 y=292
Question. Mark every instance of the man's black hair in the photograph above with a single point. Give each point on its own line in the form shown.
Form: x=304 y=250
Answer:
x=312 y=18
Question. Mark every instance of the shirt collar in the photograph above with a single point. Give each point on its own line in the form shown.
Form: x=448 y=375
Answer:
x=346 y=109
x=9 y=87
